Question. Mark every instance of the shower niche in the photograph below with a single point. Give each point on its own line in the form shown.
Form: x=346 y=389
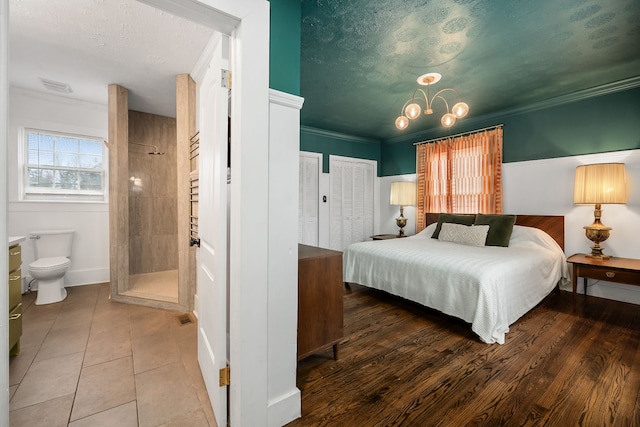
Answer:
x=149 y=178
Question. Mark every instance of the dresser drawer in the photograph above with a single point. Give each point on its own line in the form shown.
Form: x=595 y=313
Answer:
x=15 y=257
x=15 y=325
x=610 y=275
x=15 y=288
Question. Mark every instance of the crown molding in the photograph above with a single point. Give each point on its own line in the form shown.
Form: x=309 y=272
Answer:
x=337 y=135
x=606 y=89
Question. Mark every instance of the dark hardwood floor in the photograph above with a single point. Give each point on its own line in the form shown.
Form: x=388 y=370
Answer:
x=563 y=364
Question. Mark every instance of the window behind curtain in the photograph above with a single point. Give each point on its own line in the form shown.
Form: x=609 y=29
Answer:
x=61 y=166
x=460 y=175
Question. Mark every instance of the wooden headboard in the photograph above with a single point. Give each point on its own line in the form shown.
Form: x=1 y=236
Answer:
x=553 y=225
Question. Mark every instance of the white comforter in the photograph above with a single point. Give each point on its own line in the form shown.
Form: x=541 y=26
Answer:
x=489 y=287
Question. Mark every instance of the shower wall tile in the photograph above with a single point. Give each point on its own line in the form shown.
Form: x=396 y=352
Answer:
x=152 y=194
x=165 y=219
x=165 y=252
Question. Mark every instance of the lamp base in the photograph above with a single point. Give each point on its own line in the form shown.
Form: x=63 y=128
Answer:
x=597 y=233
x=401 y=222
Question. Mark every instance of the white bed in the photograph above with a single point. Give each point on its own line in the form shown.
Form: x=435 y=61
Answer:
x=489 y=287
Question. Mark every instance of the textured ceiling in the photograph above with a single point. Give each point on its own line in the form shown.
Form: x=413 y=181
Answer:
x=89 y=44
x=360 y=58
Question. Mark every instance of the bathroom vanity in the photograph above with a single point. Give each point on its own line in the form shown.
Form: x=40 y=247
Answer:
x=15 y=294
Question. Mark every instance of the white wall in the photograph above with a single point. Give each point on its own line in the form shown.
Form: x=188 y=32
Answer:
x=545 y=187
x=90 y=254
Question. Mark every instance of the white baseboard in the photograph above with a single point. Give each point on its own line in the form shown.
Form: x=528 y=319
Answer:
x=72 y=278
x=284 y=408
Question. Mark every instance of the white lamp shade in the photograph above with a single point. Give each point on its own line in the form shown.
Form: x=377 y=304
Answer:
x=601 y=183
x=403 y=193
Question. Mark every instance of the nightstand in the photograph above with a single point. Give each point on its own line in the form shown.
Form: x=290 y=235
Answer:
x=385 y=236
x=614 y=269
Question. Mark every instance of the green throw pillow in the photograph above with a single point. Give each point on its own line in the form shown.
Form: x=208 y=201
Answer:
x=464 y=219
x=500 y=228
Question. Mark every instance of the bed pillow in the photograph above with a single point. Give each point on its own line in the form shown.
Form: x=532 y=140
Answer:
x=472 y=235
x=463 y=219
x=500 y=228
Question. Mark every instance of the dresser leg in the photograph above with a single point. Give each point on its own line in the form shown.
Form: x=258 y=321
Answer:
x=585 y=285
x=335 y=351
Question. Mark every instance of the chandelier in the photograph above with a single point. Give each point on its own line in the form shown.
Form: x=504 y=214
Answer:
x=411 y=109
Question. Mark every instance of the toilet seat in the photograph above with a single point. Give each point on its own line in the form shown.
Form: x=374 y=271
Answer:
x=52 y=263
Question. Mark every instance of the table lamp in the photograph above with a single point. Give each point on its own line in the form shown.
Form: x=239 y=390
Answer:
x=599 y=184
x=403 y=194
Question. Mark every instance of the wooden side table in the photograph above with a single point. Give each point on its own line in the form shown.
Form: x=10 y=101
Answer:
x=614 y=269
x=385 y=236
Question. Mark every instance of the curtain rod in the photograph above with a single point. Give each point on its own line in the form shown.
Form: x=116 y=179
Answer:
x=459 y=134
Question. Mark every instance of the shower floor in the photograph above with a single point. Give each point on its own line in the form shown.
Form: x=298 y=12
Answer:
x=160 y=286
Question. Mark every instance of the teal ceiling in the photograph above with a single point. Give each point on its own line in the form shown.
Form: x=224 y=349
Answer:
x=360 y=58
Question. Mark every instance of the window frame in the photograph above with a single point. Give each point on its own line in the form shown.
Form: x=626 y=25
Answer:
x=41 y=194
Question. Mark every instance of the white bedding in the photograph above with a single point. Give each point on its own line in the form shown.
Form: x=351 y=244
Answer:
x=490 y=287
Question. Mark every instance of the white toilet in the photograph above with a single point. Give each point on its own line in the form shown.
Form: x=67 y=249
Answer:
x=53 y=250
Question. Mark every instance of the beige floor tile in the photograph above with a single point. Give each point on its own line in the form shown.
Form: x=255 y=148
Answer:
x=34 y=332
x=19 y=364
x=148 y=323
x=52 y=413
x=12 y=391
x=48 y=379
x=103 y=387
x=153 y=351
x=192 y=419
x=121 y=416
x=79 y=315
x=164 y=394
x=60 y=342
x=106 y=346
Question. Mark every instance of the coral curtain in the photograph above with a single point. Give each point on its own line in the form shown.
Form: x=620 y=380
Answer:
x=460 y=175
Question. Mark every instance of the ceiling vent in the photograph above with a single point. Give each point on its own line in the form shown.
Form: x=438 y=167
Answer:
x=56 y=86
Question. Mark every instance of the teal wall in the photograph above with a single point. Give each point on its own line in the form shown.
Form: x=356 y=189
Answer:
x=284 y=46
x=325 y=142
x=595 y=125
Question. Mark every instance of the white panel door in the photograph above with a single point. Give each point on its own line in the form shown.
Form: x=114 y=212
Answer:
x=352 y=200
x=212 y=227
x=309 y=181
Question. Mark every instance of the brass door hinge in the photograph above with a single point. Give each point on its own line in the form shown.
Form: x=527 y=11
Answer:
x=225 y=376
x=225 y=81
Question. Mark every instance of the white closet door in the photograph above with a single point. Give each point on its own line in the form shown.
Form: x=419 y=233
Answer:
x=352 y=200
x=309 y=193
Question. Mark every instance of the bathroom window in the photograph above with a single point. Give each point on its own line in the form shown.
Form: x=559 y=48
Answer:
x=63 y=167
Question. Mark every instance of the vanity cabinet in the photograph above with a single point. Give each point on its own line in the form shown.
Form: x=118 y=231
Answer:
x=15 y=298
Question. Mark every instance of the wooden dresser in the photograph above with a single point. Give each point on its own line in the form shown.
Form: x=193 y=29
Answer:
x=320 y=300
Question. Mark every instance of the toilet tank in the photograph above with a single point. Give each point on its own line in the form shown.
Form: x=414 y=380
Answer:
x=52 y=243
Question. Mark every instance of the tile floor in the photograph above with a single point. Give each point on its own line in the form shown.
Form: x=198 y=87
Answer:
x=87 y=361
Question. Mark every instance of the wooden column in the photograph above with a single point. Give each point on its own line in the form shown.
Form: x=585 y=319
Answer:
x=118 y=188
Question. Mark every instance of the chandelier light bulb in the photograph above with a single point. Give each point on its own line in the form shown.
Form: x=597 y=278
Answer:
x=460 y=110
x=413 y=111
x=448 y=120
x=402 y=122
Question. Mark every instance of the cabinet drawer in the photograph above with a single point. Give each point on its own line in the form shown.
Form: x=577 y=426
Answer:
x=610 y=275
x=15 y=325
x=15 y=257
x=15 y=288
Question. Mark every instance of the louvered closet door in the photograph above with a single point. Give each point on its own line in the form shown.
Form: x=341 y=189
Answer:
x=351 y=212
x=308 y=198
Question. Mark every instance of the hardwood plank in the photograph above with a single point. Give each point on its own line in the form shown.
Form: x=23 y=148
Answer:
x=406 y=365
